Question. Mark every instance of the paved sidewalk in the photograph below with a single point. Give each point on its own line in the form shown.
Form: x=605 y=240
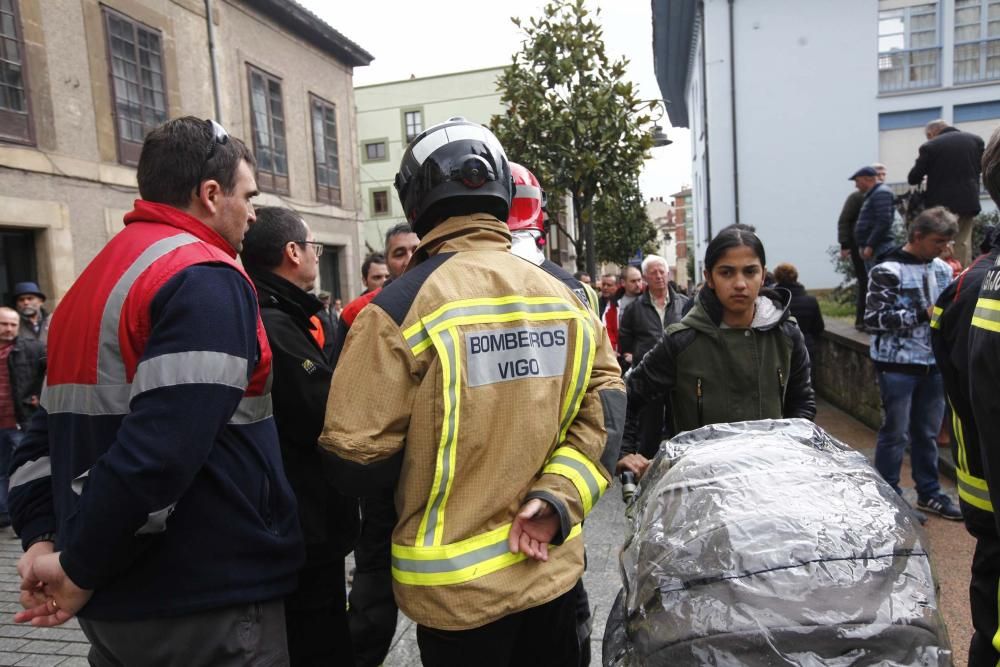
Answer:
x=24 y=645
x=951 y=549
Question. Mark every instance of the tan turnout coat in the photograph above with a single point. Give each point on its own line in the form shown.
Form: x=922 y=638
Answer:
x=489 y=382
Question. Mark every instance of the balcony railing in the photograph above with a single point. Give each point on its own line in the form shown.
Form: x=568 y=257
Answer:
x=977 y=61
x=907 y=69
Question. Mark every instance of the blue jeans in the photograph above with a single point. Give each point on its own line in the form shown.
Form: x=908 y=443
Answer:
x=914 y=407
x=9 y=439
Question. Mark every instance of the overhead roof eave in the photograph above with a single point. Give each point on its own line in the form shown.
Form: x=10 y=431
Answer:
x=313 y=29
x=673 y=39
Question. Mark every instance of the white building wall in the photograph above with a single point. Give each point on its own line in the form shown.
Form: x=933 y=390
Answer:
x=806 y=120
x=699 y=155
x=380 y=108
x=659 y=211
x=807 y=116
x=718 y=86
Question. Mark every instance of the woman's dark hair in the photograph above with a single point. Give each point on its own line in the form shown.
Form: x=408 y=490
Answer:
x=732 y=237
x=265 y=241
x=181 y=154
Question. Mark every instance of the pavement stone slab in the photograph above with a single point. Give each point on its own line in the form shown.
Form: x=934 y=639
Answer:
x=604 y=533
x=40 y=660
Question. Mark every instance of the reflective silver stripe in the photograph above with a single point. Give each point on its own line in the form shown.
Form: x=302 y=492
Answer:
x=86 y=399
x=197 y=367
x=110 y=365
x=456 y=132
x=434 y=511
x=527 y=192
x=980 y=494
x=429 y=144
x=30 y=471
x=252 y=409
x=581 y=381
x=157 y=521
x=77 y=483
x=491 y=309
x=584 y=471
x=454 y=563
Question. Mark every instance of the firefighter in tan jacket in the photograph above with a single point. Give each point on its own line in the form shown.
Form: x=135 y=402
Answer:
x=425 y=398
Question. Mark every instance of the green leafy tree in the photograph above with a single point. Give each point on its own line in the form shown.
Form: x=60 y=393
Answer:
x=571 y=118
x=621 y=225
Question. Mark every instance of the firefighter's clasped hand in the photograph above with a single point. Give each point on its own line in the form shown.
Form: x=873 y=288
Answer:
x=532 y=530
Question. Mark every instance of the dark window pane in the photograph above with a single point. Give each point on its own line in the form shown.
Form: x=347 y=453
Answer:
x=267 y=113
x=137 y=81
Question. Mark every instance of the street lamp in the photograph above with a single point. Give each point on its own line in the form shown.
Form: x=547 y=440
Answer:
x=656 y=132
x=659 y=137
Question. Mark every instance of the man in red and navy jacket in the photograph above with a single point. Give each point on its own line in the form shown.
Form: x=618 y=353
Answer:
x=149 y=492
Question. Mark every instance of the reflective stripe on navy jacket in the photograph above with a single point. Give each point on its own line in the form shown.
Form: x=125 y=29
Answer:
x=165 y=485
x=950 y=325
x=984 y=372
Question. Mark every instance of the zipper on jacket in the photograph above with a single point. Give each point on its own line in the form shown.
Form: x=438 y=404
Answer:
x=699 y=394
x=781 y=388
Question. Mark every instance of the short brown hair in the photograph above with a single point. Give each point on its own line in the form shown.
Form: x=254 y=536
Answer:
x=936 y=220
x=786 y=274
x=175 y=161
x=991 y=167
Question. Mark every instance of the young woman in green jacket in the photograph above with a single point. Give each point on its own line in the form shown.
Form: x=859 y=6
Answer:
x=736 y=356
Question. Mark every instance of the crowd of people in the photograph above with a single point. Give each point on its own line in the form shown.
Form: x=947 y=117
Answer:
x=214 y=438
x=928 y=306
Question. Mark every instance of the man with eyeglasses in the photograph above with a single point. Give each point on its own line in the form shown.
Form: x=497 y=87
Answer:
x=149 y=492
x=282 y=257
x=372 y=611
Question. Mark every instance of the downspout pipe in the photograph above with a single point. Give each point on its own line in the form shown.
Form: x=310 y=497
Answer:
x=732 y=103
x=213 y=59
x=704 y=127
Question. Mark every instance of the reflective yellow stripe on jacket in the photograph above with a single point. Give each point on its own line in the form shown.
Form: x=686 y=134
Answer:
x=987 y=314
x=572 y=465
x=429 y=562
x=459 y=562
x=936 y=317
x=971 y=489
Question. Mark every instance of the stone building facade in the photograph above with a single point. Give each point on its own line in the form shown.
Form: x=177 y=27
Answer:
x=85 y=80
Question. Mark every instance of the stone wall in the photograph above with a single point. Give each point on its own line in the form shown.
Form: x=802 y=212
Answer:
x=845 y=375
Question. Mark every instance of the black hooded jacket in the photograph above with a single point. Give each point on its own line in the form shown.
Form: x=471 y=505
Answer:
x=301 y=384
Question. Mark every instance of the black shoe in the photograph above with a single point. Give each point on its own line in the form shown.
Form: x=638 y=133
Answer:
x=4 y=520
x=942 y=506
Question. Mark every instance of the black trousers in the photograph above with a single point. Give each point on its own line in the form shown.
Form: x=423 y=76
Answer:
x=543 y=635
x=862 y=284
x=238 y=636
x=984 y=587
x=372 y=610
x=316 y=613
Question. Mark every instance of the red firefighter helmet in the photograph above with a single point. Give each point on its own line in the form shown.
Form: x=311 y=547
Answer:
x=526 y=206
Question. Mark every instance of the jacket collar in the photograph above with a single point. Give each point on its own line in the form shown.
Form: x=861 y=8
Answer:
x=647 y=298
x=903 y=257
x=461 y=233
x=148 y=211
x=276 y=292
x=878 y=186
x=772 y=309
